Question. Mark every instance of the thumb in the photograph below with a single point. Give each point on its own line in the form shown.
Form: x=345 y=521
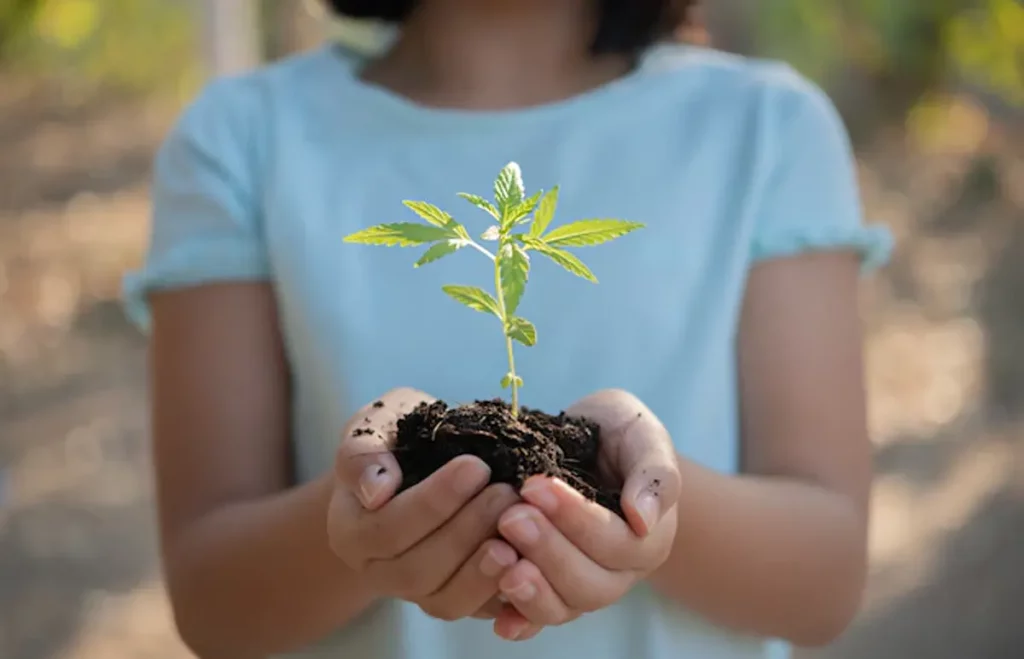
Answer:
x=640 y=452
x=364 y=463
x=650 y=492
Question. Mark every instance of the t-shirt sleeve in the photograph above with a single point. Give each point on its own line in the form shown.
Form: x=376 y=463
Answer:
x=205 y=224
x=811 y=200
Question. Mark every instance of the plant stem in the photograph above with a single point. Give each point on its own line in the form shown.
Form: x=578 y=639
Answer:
x=481 y=249
x=500 y=297
x=512 y=370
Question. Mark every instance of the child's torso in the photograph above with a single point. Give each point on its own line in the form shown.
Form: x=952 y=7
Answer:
x=661 y=323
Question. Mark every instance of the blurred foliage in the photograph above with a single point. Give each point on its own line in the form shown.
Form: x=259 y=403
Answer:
x=16 y=18
x=904 y=49
x=143 y=45
x=989 y=43
x=910 y=46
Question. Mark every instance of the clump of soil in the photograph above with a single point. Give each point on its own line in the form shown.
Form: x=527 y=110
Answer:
x=515 y=448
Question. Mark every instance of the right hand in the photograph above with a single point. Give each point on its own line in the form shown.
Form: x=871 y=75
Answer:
x=435 y=544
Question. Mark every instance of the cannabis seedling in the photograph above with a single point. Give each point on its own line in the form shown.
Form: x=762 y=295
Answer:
x=510 y=210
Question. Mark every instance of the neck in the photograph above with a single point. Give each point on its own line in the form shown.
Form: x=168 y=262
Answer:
x=500 y=54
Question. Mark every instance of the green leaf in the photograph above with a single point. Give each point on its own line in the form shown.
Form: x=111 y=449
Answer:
x=402 y=234
x=514 y=265
x=522 y=330
x=481 y=203
x=492 y=233
x=474 y=298
x=520 y=212
x=545 y=213
x=589 y=232
x=567 y=260
x=438 y=218
x=506 y=382
x=430 y=213
x=508 y=188
x=439 y=251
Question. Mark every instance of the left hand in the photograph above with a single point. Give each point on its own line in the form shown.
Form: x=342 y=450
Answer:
x=577 y=556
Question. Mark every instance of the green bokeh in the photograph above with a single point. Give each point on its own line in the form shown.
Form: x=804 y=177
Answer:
x=912 y=47
x=916 y=45
x=138 y=45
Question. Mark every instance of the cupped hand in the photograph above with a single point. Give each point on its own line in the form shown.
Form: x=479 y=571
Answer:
x=578 y=556
x=434 y=544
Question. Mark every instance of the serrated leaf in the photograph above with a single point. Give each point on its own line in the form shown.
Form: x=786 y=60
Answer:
x=545 y=212
x=522 y=331
x=520 y=212
x=460 y=232
x=567 y=260
x=509 y=379
x=439 y=251
x=481 y=203
x=508 y=188
x=492 y=233
x=474 y=298
x=514 y=266
x=401 y=234
x=430 y=213
x=438 y=218
x=589 y=232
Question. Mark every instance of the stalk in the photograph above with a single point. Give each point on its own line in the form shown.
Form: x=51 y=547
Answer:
x=500 y=297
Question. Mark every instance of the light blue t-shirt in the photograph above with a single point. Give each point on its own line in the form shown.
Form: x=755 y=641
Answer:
x=728 y=161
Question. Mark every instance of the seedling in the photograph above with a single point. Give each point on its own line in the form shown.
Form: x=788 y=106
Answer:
x=510 y=211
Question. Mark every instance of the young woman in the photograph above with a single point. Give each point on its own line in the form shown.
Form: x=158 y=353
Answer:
x=731 y=321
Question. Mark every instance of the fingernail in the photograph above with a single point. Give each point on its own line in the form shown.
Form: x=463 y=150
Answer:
x=649 y=507
x=470 y=477
x=494 y=563
x=522 y=528
x=538 y=492
x=373 y=480
x=524 y=592
x=518 y=631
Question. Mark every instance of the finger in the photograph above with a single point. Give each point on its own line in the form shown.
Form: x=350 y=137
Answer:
x=430 y=566
x=579 y=581
x=638 y=450
x=474 y=585
x=490 y=609
x=364 y=462
x=343 y=514
x=534 y=597
x=596 y=531
x=417 y=512
x=510 y=625
x=650 y=494
x=530 y=632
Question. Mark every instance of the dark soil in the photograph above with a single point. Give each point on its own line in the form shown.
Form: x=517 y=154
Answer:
x=515 y=449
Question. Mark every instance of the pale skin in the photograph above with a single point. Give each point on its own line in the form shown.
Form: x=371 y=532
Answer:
x=227 y=511
x=220 y=389
x=802 y=501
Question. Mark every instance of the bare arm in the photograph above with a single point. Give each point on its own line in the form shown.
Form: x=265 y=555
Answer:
x=781 y=550
x=247 y=560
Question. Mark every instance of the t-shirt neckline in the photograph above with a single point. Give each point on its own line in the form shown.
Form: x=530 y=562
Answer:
x=381 y=101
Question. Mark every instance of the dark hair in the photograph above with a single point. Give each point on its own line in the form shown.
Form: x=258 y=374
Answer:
x=625 y=26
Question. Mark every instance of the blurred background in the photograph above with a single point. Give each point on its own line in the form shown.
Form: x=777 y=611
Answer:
x=933 y=92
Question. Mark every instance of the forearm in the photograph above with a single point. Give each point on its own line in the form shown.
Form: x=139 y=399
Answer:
x=767 y=556
x=259 y=578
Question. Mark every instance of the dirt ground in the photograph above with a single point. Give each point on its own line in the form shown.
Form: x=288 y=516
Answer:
x=78 y=577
